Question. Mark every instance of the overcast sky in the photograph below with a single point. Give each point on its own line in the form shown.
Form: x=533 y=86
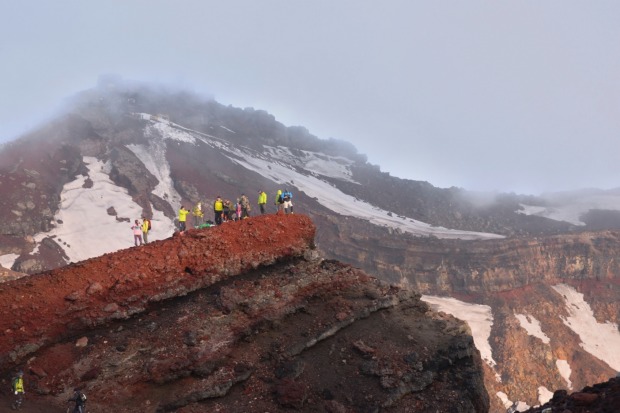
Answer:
x=519 y=96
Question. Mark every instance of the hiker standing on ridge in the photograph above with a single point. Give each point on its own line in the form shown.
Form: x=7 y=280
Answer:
x=198 y=214
x=218 y=210
x=146 y=227
x=226 y=215
x=238 y=210
x=262 y=200
x=17 y=384
x=182 y=218
x=137 y=233
x=245 y=206
x=278 y=201
x=287 y=199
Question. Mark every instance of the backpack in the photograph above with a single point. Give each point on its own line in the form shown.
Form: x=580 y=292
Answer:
x=280 y=200
x=82 y=397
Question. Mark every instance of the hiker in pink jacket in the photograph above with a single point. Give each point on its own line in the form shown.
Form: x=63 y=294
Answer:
x=137 y=233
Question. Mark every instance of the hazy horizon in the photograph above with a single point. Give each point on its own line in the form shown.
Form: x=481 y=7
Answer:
x=513 y=97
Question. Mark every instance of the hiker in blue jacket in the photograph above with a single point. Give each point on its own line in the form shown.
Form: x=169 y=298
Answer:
x=287 y=197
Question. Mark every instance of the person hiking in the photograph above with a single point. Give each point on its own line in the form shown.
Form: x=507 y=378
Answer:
x=287 y=201
x=245 y=206
x=137 y=233
x=278 y=201
x=262 y=200
x=218 y=210
x=146 y=227
x=198 y=214
x=80 y=401
x=182 y=218
x=17 y=385
x=226 y=211
x=238 y=210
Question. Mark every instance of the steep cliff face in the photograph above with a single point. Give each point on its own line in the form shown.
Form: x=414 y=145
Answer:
x=242 y=317
x=441 y=266
x=536 y=343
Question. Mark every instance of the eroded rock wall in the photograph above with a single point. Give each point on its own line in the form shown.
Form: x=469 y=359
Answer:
x=240 y=318
x=39 y=309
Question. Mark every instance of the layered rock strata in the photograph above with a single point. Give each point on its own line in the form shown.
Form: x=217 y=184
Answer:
x=239 y=318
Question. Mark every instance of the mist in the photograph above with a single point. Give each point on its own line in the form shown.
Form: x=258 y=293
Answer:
x=482 y=96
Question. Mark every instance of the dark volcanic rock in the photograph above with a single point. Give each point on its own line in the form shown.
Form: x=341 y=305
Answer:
x=208 y=324
x=600 y=398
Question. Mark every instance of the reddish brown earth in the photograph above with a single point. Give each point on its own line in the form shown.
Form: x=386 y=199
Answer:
x=244 y=317
x=600 y=398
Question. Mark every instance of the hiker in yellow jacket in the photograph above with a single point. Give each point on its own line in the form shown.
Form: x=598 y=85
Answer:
x=218 y=209
x=18 y=388
x=279 y=202
x=198 y=214
x=146 y=227
x=182 y=218
x=262 y=200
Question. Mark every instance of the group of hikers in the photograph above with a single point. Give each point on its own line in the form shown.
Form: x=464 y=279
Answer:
x=141 y=231
x=17 y=386
x=225 y=211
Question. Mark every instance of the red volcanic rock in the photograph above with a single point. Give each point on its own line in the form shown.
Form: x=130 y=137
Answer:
x=239 y=318
x=40 y=309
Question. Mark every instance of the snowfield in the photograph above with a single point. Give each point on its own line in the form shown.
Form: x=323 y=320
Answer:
x=80 y=207
x=602 y=340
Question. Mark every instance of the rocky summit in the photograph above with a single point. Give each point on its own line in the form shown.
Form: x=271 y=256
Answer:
x=244 y=317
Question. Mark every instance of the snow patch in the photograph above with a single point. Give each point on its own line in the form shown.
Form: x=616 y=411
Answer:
x=544 y=395
x=226 y=129
x=602 y=340
x=154 y=159
x=80 y=207
x=569 y=207
x=169 y=132
x=504 y=398
x=565 y=371
x=7 y=260
x=532 y=326
x=479 y=318
x=337 y=167
x=510 y=405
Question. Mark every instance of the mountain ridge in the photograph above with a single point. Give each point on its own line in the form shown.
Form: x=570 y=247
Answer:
x=125 y=152
x=242 y=317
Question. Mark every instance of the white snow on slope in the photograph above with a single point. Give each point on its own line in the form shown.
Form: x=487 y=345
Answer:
x=154 y=159
x=347 y=205
x=570 y=207
x=479 y=318
x=87 y=230
x=337 y=167
x=282 y=173
x=517 y=406
x=565 y=371
x=532 y=326
x=164 y=129
x=544 y=395
x=7 y=260
x=602 y=340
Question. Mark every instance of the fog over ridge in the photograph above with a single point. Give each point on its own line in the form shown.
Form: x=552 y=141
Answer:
x=482 y=96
